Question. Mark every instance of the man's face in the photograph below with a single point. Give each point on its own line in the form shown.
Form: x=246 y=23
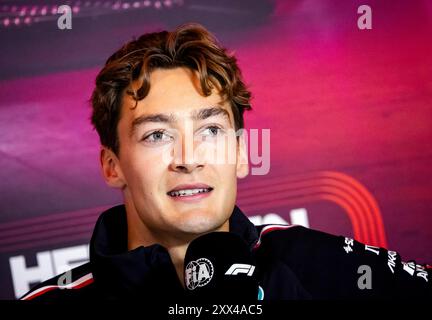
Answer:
x=176 y=191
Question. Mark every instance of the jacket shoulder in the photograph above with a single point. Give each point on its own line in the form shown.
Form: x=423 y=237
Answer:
x=281 y=236
x=331 y=266
x=74 y=284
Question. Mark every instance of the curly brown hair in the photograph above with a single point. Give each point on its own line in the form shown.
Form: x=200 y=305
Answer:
x=190 y=45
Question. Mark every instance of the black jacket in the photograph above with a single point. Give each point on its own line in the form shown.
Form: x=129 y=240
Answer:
x=293 y=262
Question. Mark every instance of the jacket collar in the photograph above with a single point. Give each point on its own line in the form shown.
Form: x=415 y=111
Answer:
x=120 y=273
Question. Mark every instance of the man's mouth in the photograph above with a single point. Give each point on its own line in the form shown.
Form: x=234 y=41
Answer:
x=192 y=190
x=189 y=192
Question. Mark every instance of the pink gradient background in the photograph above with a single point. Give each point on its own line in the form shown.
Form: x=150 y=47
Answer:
x=336 y=98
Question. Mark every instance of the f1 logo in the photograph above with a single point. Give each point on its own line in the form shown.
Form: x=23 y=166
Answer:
x=237 y=268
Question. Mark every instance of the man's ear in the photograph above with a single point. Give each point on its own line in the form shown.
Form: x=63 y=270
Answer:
x=242 y=156
x=111 y=170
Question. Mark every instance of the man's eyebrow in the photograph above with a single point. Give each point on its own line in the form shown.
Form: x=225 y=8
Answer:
x=160 y=117
x=205 y=113
x=201 y=114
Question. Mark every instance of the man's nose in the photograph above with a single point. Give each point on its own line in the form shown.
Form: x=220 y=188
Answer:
x=185 y=160
x=187 y=168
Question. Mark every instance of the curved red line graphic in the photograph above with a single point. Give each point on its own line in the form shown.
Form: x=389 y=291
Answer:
x=301 y=200
x=359 y=232
x=301 y=187
x=366 y=200
x=364 y=213
x=355 y=214
x=313 y=194
x=377 y=218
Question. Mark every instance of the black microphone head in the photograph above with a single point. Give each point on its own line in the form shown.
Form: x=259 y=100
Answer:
x=220 y=266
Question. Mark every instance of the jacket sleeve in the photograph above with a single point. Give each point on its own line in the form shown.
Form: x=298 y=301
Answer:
x=339 y=267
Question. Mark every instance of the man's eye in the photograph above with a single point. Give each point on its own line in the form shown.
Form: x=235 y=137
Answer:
x=211 y=131
x=157 y=136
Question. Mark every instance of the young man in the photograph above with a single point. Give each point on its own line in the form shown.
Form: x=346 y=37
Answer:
x=161 y=106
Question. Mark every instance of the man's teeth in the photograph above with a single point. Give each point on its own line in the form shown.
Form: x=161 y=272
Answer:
x=188 y=192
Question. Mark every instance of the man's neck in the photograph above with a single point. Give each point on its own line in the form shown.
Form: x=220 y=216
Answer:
x=177 y=255
x=177 y=251
x=140 y=235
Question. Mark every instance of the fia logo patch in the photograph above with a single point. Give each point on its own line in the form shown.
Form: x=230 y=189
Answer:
x=198 y=273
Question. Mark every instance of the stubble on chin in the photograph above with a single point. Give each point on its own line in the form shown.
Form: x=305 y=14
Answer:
x=202 y=224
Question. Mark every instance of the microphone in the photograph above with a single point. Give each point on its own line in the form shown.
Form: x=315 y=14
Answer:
x=220 y=266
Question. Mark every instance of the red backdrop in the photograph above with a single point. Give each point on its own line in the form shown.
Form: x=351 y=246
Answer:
x=349 y=111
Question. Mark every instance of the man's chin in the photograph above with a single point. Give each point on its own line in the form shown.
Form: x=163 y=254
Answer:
x=201 y=224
